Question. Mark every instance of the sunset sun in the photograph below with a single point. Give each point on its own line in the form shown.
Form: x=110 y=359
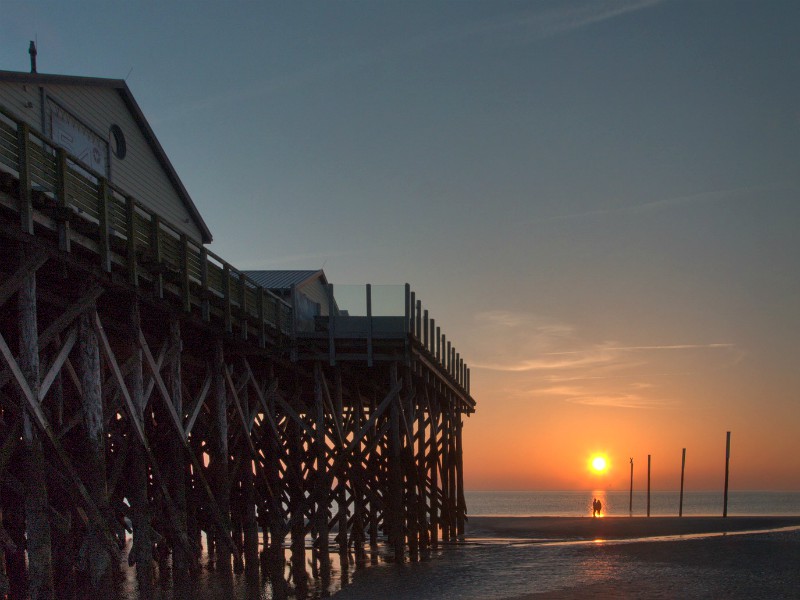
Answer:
x=599 y=464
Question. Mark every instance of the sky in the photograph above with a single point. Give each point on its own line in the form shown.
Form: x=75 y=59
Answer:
x=598 y=201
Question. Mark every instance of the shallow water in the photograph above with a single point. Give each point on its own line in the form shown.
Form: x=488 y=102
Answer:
x=496 y=569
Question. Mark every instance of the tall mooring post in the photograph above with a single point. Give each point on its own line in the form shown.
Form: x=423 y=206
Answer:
x=683 y=470
x=727 y=470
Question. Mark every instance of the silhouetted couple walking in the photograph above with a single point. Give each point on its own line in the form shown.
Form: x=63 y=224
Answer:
x=597 y=507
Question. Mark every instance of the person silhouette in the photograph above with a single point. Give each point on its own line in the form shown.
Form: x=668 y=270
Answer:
x=599 y=506
x=594 y=507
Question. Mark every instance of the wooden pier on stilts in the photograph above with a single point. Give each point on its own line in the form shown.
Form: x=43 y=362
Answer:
x=150 y=389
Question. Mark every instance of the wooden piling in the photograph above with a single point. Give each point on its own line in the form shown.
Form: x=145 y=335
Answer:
x=141 y=553
x=395 y=508
x=683 y=470
x=220 y=457
x=727 y=471
x=177 y=471
x=37 y=512
x=648 y=485
x=99 y=561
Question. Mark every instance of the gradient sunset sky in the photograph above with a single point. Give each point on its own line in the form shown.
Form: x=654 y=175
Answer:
x=598 y=201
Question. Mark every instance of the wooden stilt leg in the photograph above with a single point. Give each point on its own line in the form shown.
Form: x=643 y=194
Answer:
x=37 y=525
x=296 y=498
x=459 y=465
x=98 y=558
x=220 y=458
x=433 y=460
x=177 y=473
x=395 y=513
x=138 y=493
x=249 y=523
x=321 y=514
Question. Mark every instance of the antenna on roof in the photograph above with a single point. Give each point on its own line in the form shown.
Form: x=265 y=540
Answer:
x=32 y=52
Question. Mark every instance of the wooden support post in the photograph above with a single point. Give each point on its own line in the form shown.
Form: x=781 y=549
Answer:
x=452 y=493
x=141 y=553
x=320 y=448
x=99 y=560
x=296 y=501
x=226 y=297
x=64 y=241
x=418 y=324
x=369 y=325
x=220 y=457
x=433 y=460
x=357 y=485
x=186 y=299
x=459 y=466
x=683 y=470
x=130 y=232
x=648 y=485
x=155 y=249
x=177 y=471
x=727 y=471
x=438 y=342
x=242 y=307
x=104 y=225
x=277 y=523
x=445 y=474
x=248 y=500
x=372 y=475
x=262 y=325
x=411 y=504
x=331 y=326
x=37 y=525
x=422 y=477
x=25 y=198
x=630 y=497
x=395 y=512
x=205 y=293
x=425 y=330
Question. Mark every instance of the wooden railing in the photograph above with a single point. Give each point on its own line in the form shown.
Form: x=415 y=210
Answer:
x=430 y=337
x=127 y=233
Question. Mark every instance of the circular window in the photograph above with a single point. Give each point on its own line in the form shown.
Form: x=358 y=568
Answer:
x=118 y=146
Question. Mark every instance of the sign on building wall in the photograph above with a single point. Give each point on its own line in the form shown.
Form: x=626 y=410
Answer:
x=77 y=139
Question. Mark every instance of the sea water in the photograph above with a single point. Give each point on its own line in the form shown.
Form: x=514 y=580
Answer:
x=621 y=503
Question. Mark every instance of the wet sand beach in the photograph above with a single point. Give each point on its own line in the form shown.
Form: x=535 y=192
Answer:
x=526 y=558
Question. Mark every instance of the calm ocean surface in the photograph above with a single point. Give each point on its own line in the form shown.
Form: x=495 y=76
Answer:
x=577 y=504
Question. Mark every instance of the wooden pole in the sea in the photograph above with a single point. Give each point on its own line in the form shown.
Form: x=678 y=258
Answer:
x=727 y=465
x=630 y=495
x=683 y=470
x=648 y=485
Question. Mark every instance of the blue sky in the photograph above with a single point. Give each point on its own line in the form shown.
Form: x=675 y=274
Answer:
x=597 y=200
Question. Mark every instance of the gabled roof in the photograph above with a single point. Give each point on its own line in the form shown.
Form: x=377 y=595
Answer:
x=122 y=89
x=284 y=280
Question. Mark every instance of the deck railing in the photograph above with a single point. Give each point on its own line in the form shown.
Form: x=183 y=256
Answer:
x=140 y=241
x=399 y=311
x=79 y=198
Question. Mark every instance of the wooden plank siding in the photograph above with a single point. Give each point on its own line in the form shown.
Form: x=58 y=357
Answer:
x=139 y=173
x=99 y=211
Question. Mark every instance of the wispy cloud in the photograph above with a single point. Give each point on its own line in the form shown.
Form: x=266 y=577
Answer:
x=725 y=195
x=545 y=358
